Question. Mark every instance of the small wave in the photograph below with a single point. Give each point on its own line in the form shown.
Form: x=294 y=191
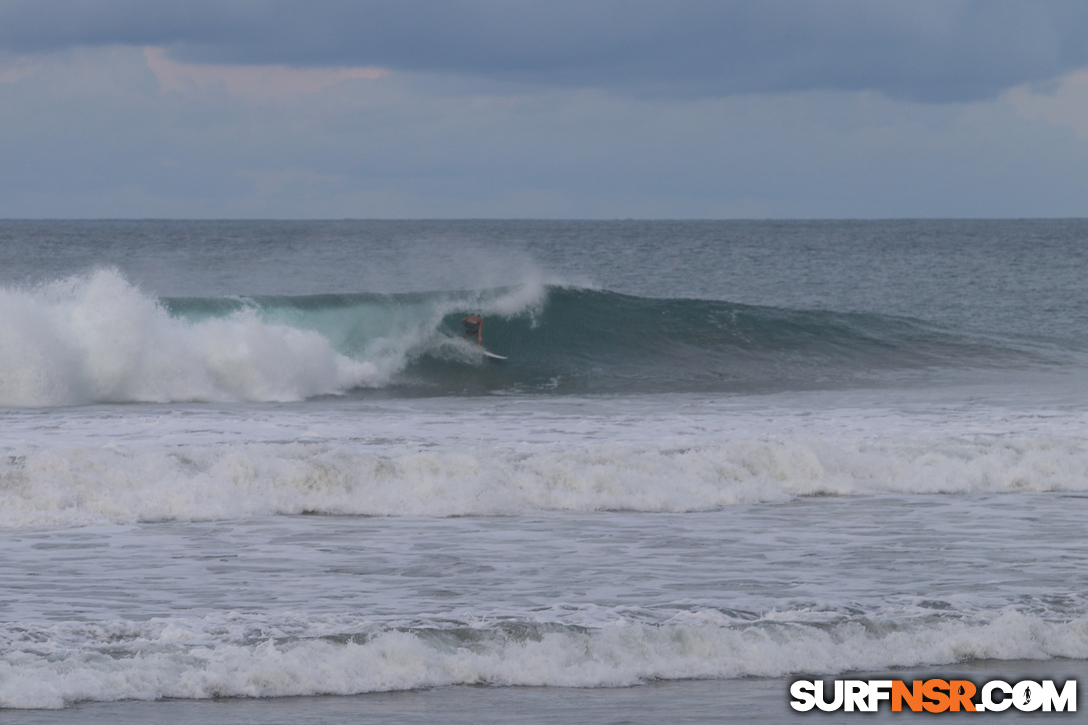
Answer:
x=197 y=659
x=60 y=487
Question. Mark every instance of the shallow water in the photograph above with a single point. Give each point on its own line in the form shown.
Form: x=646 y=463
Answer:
x=325 y=605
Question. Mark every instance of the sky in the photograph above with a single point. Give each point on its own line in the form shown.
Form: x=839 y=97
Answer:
x=587 y=109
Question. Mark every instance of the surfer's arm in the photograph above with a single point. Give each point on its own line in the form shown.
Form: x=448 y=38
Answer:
x=480 y=333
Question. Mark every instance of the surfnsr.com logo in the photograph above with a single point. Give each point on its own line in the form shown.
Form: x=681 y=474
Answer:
x=934 y=696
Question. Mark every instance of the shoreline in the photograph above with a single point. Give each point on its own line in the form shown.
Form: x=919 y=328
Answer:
x=675 y=701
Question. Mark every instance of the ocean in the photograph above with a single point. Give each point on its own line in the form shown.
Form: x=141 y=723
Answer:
x=251 y=471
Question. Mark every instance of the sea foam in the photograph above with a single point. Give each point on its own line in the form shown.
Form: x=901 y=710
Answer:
x=197 y=659
x=97 y=338
x=82 y=485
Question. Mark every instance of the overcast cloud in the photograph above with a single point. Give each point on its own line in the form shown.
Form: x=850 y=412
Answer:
x=543 y=108
x=933 y=50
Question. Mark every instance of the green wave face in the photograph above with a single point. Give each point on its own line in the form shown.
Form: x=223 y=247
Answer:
x=571 y=340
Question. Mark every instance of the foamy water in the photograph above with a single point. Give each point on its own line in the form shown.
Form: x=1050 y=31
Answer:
x=98 y=338
x=285 y=474
x=593 y=542
x=477 y=457
x=311 y=606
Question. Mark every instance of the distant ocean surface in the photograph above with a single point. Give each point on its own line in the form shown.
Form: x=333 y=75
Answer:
x=254 y=460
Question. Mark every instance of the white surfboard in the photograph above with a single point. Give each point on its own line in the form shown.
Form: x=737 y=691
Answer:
x=487 y=353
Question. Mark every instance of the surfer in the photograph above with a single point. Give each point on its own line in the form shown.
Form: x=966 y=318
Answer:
x=474 y=327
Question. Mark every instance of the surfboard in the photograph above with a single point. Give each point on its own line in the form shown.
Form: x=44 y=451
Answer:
x=487 y=353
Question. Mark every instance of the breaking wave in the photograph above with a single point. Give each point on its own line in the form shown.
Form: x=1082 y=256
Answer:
x=97 y=338
x=52 y=665
x=98 y=485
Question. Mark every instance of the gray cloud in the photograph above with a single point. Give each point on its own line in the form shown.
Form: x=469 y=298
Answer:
x=929 y=50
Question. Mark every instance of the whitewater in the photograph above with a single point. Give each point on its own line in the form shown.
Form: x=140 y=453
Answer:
x=253 y=460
